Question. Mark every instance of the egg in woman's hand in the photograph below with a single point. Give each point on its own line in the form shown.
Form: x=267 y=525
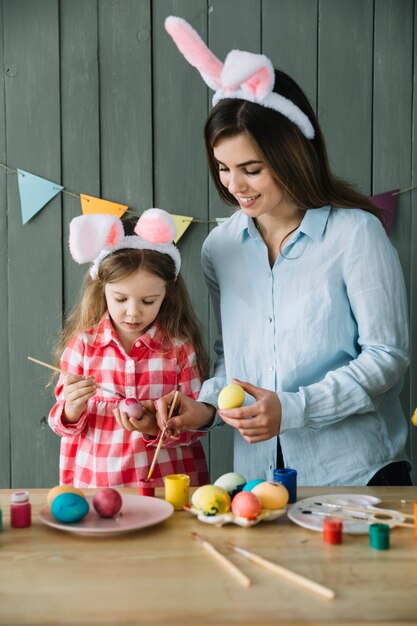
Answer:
x=271 y=494
x=132 y=408
x=56 y=491
x=232 y=482
x=231 y=397
x=69 y=508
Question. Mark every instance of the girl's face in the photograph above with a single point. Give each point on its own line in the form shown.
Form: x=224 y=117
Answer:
x=133 y=304
x=248 y=179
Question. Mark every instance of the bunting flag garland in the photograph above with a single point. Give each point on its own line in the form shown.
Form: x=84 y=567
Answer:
x=90 y=204
x=35 y=193
x=387 y=201
x=182 y=222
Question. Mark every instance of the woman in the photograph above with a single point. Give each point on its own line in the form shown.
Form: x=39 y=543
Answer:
x=307 y=290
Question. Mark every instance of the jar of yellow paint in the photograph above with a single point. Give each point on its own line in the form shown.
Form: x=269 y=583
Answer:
x=177 y=490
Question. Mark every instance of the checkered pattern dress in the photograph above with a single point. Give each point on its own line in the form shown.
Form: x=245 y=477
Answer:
x=96 y=451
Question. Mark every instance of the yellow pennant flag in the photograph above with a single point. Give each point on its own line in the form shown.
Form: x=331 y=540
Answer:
x=182 y=222
x=89 y=205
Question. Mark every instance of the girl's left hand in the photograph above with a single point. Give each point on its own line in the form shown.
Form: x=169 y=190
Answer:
x=147 y=424
x=259 y=421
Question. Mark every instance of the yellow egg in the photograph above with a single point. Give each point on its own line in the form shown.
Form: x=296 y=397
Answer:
x=211 y=500
x=56 y=491
x=272 y=495
x=231 y=397
x=414 y=418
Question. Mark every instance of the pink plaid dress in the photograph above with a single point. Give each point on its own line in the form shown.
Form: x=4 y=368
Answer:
x=96 y=451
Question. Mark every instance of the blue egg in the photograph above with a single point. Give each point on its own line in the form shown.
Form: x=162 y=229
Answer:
x=69 y=508
x=252 y=483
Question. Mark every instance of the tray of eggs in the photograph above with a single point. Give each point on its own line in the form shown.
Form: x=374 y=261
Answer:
x=233 y=500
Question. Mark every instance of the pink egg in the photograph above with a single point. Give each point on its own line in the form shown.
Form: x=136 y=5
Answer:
x=246 y=504
x=132 y=408
x=107 y=502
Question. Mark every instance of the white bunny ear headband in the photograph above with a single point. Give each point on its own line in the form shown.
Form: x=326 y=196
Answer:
x=243 y=75
x=93 y=237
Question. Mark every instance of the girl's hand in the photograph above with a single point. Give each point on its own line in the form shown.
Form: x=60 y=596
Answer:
x=189 y=414
x=77 y=391
x=147 y=424
x=259 y=421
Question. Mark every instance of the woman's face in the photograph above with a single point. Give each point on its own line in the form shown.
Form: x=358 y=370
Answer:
x=247 y=178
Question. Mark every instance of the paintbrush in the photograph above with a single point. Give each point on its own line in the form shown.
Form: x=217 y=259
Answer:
x=231 y=567
x=163 y=431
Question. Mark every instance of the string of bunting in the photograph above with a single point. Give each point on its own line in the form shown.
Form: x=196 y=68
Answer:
x=36 y=192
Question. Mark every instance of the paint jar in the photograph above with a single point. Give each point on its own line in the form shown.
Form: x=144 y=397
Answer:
x=379 y=536
x=287 y=477
x=177 y=490
x=147 y=487
x=332 y=530
x=20 y=510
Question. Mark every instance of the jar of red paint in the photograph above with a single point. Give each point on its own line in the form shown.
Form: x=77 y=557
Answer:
x=20 y=510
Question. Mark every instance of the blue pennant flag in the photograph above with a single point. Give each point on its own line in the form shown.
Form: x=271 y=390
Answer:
x=34 y=193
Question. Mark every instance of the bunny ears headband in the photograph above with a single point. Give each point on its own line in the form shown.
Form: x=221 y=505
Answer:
x=243 y=75
x=93 y=237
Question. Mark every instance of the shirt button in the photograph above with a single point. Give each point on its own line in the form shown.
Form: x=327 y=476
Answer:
x=270 y=319
x=269 y=274
x=271 y=368
x=137 y=344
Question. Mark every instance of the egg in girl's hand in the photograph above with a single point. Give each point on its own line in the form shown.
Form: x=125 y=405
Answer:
x=271 y=494
x=56 y=491
x=232 y=482
x=69 y=508
x=107 y=502
x=252 y=483
x=246 y=504
x=231 y=397
x=211 y=500
x=132 y=407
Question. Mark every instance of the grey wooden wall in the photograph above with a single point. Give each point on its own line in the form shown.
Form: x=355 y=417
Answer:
x=94 y=95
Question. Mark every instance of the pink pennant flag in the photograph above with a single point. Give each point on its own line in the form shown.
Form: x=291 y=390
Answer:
x=387 y=201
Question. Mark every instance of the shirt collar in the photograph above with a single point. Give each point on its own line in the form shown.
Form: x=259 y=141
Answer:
x=313 y=224
x=106 y=334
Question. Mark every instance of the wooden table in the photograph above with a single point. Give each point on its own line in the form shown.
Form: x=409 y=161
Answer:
x=159 y=575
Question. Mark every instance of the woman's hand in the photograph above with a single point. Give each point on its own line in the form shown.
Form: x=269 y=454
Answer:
x=189 y=414
x=77 y=391
x=259 y=421
x=146 y=425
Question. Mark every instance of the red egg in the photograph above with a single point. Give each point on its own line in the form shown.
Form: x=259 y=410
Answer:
x=132 y=408
x=107 y=502
x=246 y=504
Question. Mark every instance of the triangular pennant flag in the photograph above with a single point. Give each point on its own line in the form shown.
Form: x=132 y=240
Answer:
x=387 y=201
x=182 y=222
x=89 y=205
x=34 y=193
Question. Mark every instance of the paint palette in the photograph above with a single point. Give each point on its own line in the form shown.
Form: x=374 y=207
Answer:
x=229 y=518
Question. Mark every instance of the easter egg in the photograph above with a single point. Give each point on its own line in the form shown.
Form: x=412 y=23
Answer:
x=414 y=418
x=252 y=483
x=232 y=482
x=132 y=408
x=211 y=500
x=107 y=502
x=231 y=397
x=246 y=504
x=69 y=508
x=56 y=491
x=272 y=495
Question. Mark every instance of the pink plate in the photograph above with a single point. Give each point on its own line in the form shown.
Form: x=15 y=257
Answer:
x=137 y=512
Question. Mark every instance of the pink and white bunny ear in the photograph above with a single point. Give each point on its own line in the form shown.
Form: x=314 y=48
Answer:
x=156 y=226
x=89 y=234
x=253 y=72
x=193 y=48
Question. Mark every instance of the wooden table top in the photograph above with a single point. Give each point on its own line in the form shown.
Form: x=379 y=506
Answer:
x=159 y=575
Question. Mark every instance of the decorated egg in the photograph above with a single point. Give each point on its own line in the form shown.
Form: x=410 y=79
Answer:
x=252 y=483
x=56 y=491
x=69 y=508
x=231 y=397
x=232 y=482
x=107 y=502
x=211 y=500
x=414 y=418
x=132 y=408
x=272 y=495
x=246 y=504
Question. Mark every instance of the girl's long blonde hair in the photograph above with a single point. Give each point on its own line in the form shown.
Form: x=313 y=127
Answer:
x=176 y=316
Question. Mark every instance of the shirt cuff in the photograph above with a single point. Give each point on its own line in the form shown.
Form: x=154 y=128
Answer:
x=292 y=410
x=69 y=430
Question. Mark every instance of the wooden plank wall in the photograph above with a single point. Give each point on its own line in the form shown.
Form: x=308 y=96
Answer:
x=94 y=95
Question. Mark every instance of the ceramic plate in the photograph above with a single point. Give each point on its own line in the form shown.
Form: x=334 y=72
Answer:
x=311 y=512
x=137 y=512
x=229 y=518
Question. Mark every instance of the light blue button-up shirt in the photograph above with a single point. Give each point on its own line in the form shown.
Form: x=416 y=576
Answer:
x=327 y=329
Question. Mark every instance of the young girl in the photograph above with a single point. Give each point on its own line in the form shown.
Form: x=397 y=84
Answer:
x=134 y=333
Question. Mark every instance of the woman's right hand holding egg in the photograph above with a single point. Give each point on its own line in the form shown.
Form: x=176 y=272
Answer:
x=77 y=391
